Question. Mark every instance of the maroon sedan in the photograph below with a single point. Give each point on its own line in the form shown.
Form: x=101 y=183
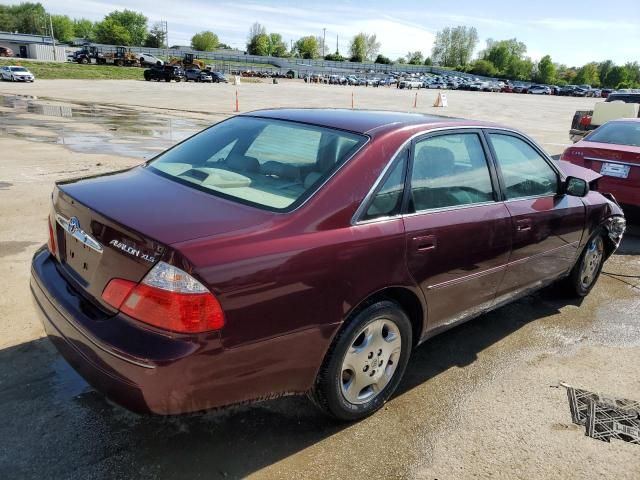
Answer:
x=613 y=150
x=305 y=252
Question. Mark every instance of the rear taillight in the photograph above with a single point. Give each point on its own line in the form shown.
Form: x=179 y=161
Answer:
x=585 y=121
x=51 y=243
x=167 y=298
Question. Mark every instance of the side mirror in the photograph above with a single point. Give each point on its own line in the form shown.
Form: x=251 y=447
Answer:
x=576 y=187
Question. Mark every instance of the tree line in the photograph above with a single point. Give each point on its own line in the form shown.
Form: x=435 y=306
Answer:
x=453 y=47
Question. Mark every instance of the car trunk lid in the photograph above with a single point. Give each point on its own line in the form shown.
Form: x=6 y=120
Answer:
x=613 y=161
x=120 y=225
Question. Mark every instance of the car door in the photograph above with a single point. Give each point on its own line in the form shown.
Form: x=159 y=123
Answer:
x=458 y=232
x=546 y=226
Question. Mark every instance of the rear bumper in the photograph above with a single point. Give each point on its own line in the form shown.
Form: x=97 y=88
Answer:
x=150 y=371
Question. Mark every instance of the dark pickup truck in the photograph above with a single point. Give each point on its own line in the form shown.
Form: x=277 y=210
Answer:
x=583 y=123
x=164 y=72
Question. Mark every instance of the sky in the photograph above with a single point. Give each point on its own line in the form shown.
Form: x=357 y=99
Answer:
x=572 y=32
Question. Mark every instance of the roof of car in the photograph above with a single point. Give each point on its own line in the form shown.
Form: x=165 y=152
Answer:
x=360 y=121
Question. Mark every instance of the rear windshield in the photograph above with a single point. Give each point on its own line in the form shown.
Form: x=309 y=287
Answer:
x=619 y=133
x=272 y=164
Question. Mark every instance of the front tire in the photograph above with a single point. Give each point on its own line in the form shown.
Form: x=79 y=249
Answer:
x=365 y=362
x=587 y=269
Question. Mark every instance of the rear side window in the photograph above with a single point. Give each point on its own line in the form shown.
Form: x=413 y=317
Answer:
x=268 y=163
x=524 y=171
x=450 y=170
x=388 y=200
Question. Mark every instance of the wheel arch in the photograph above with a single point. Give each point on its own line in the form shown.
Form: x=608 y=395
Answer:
x=407 y=298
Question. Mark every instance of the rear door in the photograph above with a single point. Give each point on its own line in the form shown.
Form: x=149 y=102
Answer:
x=546 y=227
x=458 y=233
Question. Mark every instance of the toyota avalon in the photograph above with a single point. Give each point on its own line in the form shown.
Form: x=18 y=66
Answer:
x=308 y=252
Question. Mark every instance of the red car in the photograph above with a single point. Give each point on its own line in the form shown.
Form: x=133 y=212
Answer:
x=613 y=150
x=306 y=252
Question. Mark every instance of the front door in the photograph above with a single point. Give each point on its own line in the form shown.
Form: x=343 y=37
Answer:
x=546 y=226
x=458 y=233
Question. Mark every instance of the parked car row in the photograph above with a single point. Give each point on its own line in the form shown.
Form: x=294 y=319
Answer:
x=168 y=73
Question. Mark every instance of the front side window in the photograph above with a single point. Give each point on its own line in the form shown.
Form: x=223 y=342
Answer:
x=450 y=170
x=524 y=171
x=269 y=163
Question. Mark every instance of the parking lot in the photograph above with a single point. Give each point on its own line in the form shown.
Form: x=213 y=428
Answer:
x=480 y=401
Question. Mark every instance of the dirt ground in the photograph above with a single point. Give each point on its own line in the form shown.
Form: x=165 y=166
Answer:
x=480 y=401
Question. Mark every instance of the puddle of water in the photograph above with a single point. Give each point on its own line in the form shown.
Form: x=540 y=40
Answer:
x=93 y=128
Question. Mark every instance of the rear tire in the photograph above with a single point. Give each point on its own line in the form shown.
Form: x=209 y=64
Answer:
x=365 y=362
x=586 y=271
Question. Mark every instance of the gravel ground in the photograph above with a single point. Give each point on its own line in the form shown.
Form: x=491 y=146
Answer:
x=480 y=401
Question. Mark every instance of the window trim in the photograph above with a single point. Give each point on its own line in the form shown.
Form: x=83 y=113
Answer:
x=495 y=185
x=559 y=175
x=355 y=219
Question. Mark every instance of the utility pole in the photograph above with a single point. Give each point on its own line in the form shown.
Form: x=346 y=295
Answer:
x=337 y=49
x=55 y=55
x=324 y=36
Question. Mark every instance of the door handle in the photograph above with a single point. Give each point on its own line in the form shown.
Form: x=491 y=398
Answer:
x=523 y=225
x=424 y=243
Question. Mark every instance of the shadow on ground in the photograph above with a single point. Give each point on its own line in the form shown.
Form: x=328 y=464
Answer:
x=54 y=426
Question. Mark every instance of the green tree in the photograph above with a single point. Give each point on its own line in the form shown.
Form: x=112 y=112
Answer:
x=277 y=47
x=382 y=59
x=358 y=48
x=546 y=70
x=335 y=57
x=364 y=47
x=588 y=75
x=25 y=17
x=454 y=46
x=83 y=28
x=617 y=75
x=504 y=54
x=633 y=73
x=156 y=37
x=7 y=20
x=603 y=70
x=401 y=60
x=415 y=58
x=307 y=47
x=259 y=45
x=428 y=61
x=204 y=41
x=63 y=30
x=112 y=33
x=133 y=22
x=484 y=68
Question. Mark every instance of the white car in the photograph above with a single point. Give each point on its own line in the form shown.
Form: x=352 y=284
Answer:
x=16 y=73
x=148 y=59
x=539 y=90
